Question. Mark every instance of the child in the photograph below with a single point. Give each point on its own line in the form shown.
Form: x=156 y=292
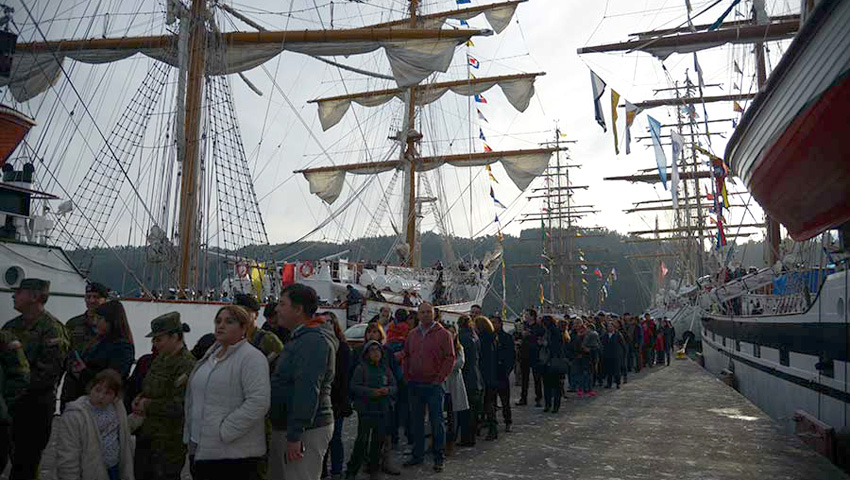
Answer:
x=373 y=388
x=93 y=437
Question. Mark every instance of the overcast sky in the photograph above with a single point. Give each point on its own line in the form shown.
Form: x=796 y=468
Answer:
x=542 y=38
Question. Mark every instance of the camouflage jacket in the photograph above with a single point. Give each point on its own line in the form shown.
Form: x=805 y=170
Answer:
x=80 y=333
x=45 y=343
x=268 y=343
x=14 y=374
x=165 y=386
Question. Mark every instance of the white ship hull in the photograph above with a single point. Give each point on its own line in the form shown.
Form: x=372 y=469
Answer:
x=774 y=357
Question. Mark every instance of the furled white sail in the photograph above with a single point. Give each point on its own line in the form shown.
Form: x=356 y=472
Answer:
x=498 y=15
x=521 y=169
x=518 y=92
x=411 y=60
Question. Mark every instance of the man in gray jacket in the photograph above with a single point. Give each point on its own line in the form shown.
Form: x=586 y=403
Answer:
x=301 y=413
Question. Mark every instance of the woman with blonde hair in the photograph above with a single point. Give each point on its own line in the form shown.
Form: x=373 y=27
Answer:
x=227 y=398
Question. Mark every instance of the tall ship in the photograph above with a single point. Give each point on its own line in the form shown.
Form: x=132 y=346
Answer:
x=161 y=165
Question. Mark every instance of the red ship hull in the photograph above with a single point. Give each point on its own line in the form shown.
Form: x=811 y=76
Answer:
x=803 y=179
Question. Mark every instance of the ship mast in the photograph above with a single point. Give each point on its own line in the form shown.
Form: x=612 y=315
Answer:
x=189 y=185
x=410 y=216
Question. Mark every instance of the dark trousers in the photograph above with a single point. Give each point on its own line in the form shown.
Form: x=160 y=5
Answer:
x=31 y=422
x=336 y=451
x=370 y=438
x=427 y=396
x=538 y=384
x=468 y=419
x=401 y=415
x=659 y=357
x=451 y=428
x=505 y=399
x=612 y=372
x=552 y=390
x=5 y=445
x=225 y=469
x=151 y=462
x=490 y=411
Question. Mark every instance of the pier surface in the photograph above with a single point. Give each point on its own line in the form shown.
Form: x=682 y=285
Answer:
x=677 y=422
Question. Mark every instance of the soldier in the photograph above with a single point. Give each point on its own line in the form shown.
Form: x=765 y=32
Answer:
x=45 y=345
x=264 y=340
x=14 y=379
x=160 y=452
x=81 y=330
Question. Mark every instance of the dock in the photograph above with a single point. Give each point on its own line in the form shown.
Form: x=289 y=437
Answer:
x=676 y=422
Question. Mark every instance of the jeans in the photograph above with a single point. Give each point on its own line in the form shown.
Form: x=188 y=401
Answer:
x=336 y=451
x=583 y=382
x=451 y=429
x=430 y=396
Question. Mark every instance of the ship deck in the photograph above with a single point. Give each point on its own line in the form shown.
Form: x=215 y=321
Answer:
x=677 y=422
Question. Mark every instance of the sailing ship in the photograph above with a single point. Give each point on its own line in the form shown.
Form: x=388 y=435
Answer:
x=202 y=215
x=781 y=332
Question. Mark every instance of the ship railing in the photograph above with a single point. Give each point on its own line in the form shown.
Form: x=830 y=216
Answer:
x=754 y=304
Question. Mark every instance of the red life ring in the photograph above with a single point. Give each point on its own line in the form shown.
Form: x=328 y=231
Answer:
x=306 y=269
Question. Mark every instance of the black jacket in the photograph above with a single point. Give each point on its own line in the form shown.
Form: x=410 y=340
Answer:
x=488 y=361
x=506 y=354
x=471 y=350
x=612 y=346
x=339 y=388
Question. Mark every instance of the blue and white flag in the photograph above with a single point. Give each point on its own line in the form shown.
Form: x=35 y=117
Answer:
x=481 y=134
x=678 y=143
x=598 y=87
x=660 y=159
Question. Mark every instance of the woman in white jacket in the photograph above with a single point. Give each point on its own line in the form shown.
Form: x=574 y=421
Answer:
x=456 y=399
x=226 y=403
x=92 y=436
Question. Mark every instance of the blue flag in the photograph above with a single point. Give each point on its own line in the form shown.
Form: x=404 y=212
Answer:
x=462 y=2
x=660 y=159
x=481 y=134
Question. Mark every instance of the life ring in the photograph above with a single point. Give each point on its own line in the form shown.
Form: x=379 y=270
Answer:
x=306 y=269
x=241 y=270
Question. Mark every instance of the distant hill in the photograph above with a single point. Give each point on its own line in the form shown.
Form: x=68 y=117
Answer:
x=636 y=277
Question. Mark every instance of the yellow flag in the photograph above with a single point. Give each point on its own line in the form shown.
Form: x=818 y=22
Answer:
x=615 y=99
x=737 y=107
x=257 y=280
x=725 y=195
x=490 y=173
x=562 y=134
x=469 y=43
x=542 y=298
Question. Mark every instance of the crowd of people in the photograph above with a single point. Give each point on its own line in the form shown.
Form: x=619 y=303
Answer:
x=273 y=401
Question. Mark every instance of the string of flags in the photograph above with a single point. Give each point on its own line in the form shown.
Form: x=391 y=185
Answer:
x=598 y=87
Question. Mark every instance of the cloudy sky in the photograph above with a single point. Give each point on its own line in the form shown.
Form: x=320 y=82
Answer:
x=281 y=132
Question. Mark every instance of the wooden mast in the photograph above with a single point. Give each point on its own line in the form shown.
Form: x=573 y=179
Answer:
x=410 y=157
x=188 y=231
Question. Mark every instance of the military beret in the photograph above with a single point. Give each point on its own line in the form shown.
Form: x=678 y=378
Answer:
x=35 y=284
x=247 y=301
x=165 y=323
x=100 y=289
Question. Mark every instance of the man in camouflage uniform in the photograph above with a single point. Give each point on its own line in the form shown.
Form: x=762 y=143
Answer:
x=81 y=331
x=45 y=345
x=14 y=380
x=160 y=452
x=267 y=342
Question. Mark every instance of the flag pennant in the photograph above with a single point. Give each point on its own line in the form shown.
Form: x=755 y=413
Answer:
x=736 y=107
x=480 y=98
x=719 y=21
x=496 y=201
x=562 y=134
x=700 y=81
x=464 y=23
x=543 y=267
x=473 y=62
x=660 y=159
x=631 y=112
x=481 y=135
x=736 y=67
x=542 y=297
x=678 y=143
x=736 y=87
x=481 y=115
x=487 y=147
x=597 y=272
x=464 y=2
x=598 y=87
x=490 y=173
x=469 y=43
x=663 y=270
x=615 y=100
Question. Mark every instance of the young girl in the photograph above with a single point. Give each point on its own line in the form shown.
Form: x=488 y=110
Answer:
x=92 y=437
x=373 y=388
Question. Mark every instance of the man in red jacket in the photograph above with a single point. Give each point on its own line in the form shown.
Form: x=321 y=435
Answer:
x=428 y=359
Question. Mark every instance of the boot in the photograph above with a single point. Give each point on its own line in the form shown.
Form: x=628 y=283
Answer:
x=387 y=465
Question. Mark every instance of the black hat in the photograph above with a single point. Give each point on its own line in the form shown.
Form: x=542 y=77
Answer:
x=247 y=301
x=98 y=288
x=165 y=323
x=34 y=284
